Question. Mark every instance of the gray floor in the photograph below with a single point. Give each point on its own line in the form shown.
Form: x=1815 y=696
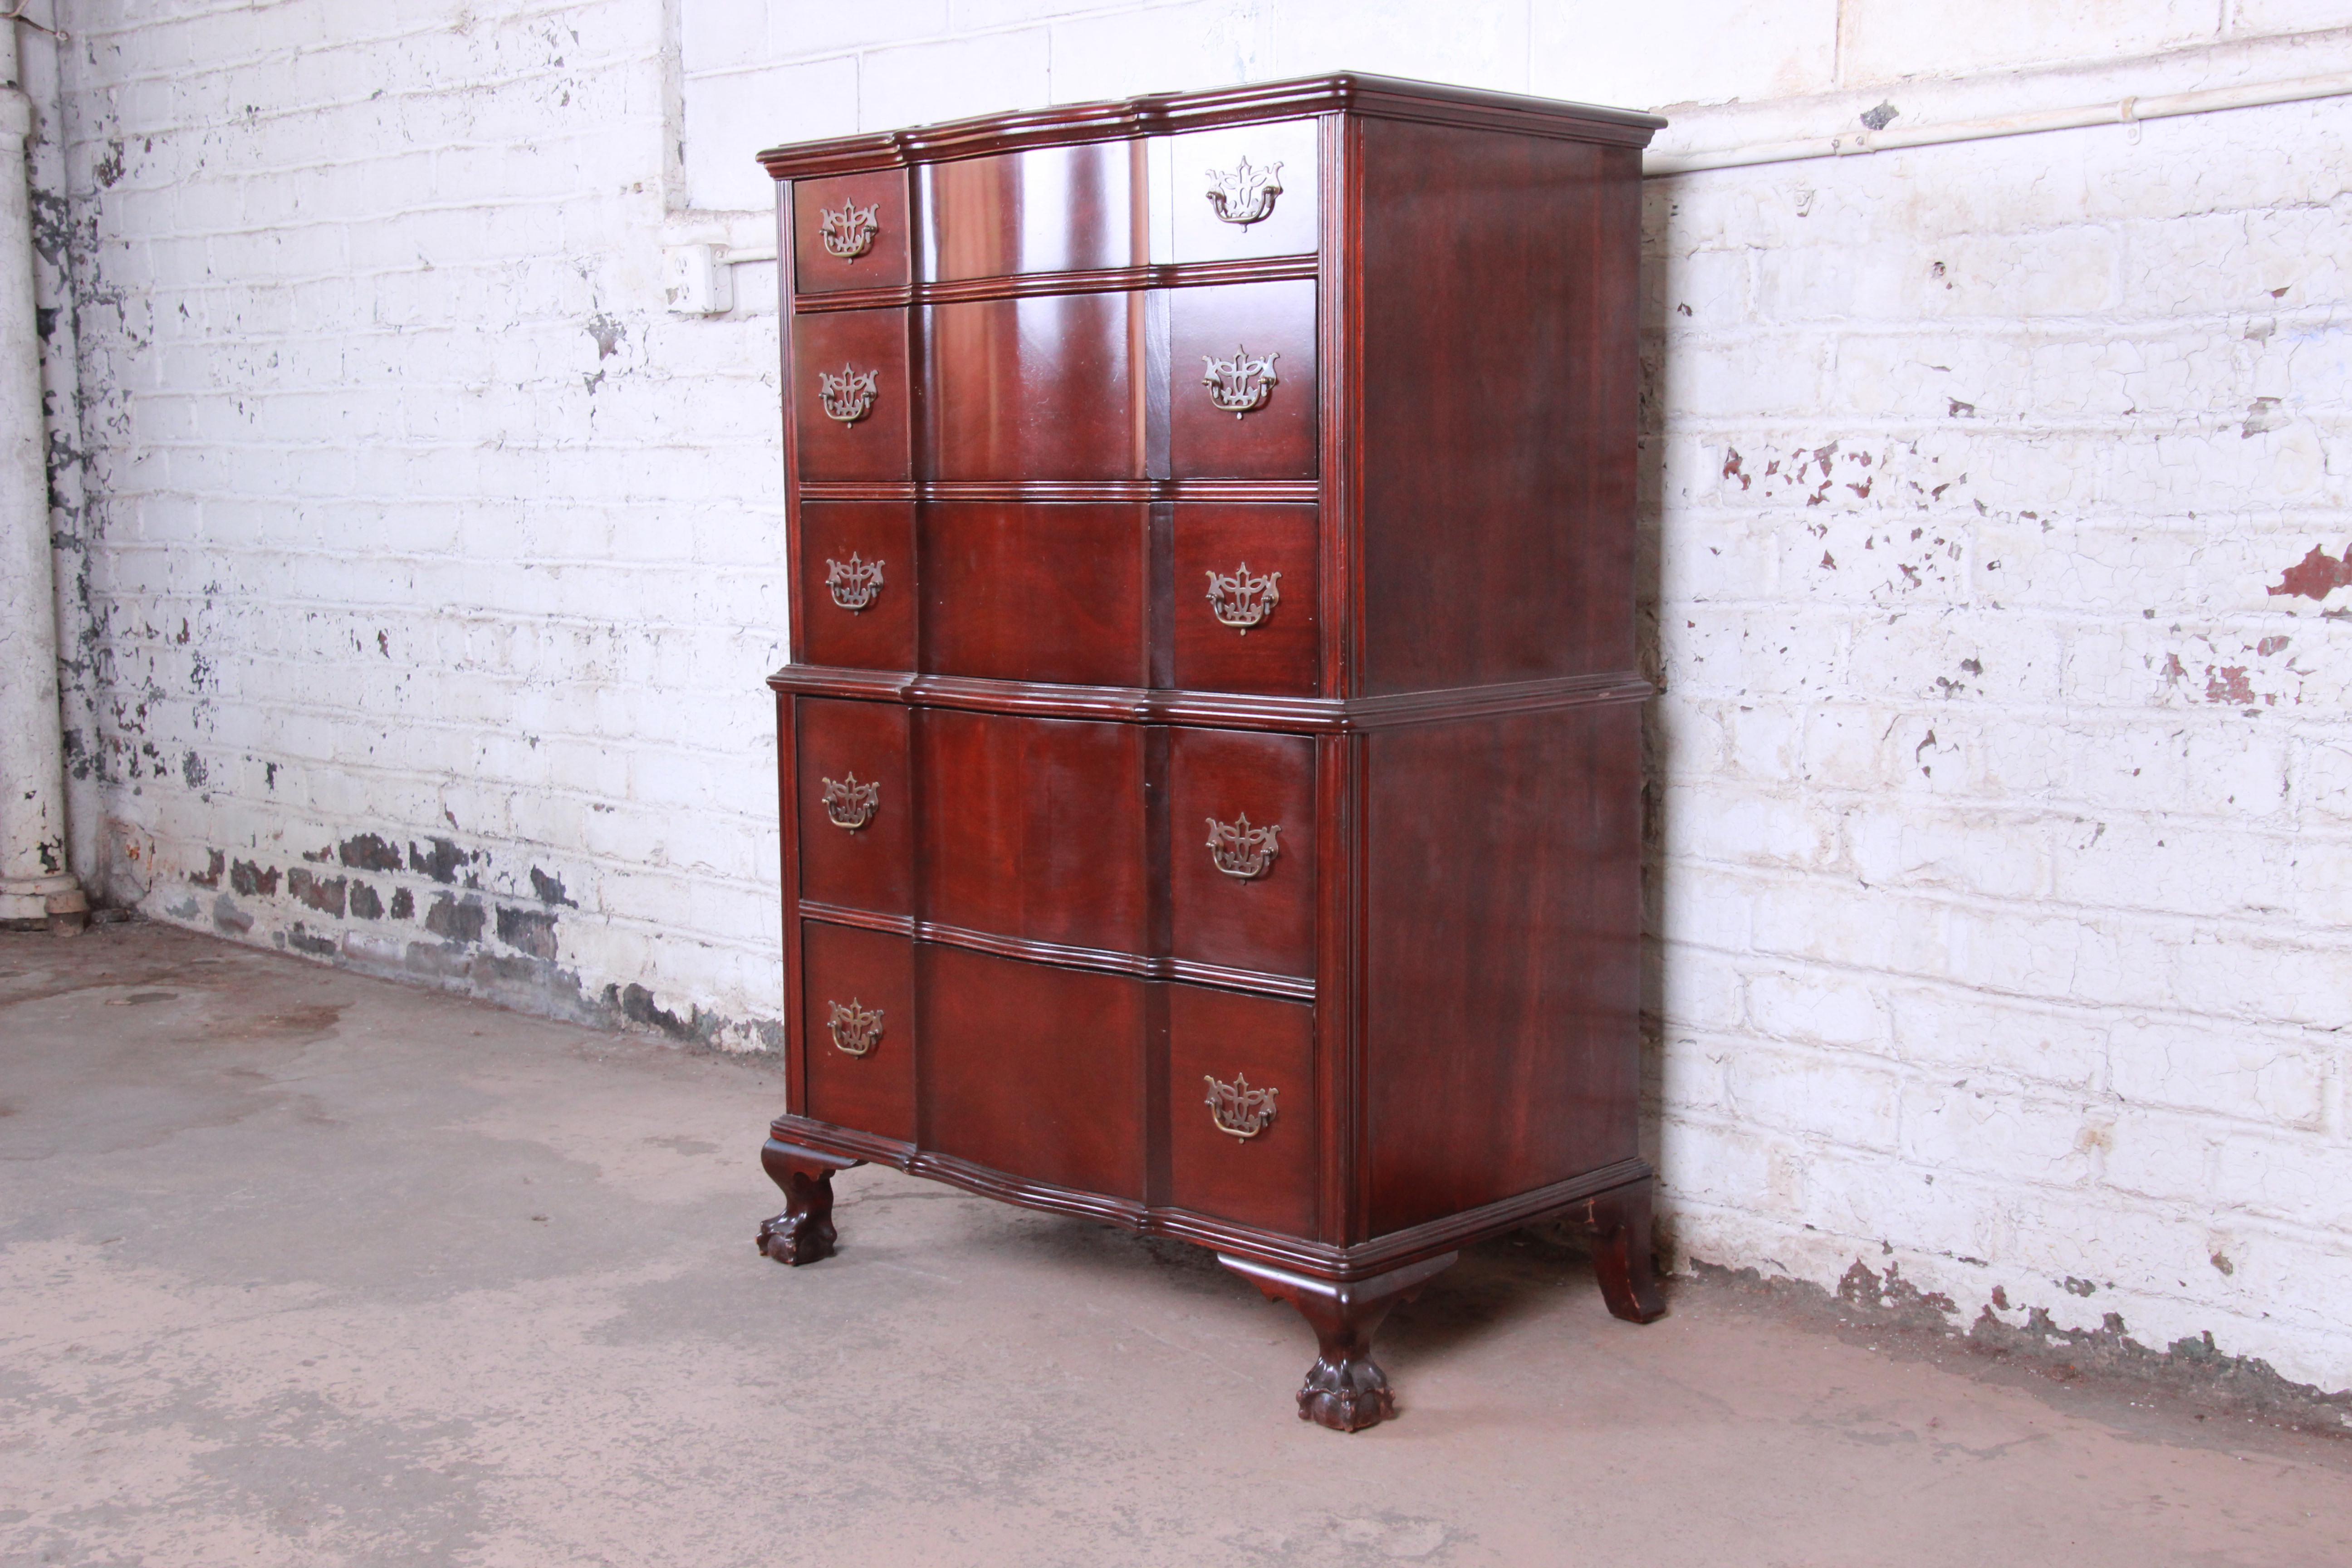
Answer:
x=304 y=1268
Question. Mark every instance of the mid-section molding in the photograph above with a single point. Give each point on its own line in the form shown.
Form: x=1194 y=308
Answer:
x=1213 y=709
x=1397 y=1250
x=1184 y=970
x=1160 y=114
x=1028 y=285
x=1141 y=492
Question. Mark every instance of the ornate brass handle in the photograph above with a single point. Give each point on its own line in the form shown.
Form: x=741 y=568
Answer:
x=857 y=1028
x=1238 y=1108
x=853 y=583
x=1242 y=601
x=1241 y=383
x=848 y=397
x=848 y=803
x=1241 y=850
x=849 y=233
x=1244 y=195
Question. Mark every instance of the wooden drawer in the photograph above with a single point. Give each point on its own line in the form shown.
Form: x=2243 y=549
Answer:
x=855 y=815
x=1038 y=388
x=1050 y=209
x=1206 y=178
x=1242 y=849
x=852 y=395
x=857 y=584
x=1033 y=827
x=857 y=1017
x=1255 y=343
x=1246 y=606
x=850 y=232
x=1035 y=1070
x=1240 y=1107
x=1048 y=592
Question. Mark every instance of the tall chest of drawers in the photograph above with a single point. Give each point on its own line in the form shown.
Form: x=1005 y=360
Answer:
x=1210 y=755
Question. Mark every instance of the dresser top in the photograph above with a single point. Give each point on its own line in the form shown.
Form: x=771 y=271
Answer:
x=1160 y=113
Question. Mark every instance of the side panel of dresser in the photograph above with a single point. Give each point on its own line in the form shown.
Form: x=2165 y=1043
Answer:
x=1496 y=304
x=1502 y=957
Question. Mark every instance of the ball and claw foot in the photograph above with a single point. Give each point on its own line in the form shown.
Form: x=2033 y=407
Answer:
x=1346 y=1389
x=796 y=1238
x=803 y=1232
x=1346 y=1396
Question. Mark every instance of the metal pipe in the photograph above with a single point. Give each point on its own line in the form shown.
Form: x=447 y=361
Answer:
x=2125 y=111
x=37 y=886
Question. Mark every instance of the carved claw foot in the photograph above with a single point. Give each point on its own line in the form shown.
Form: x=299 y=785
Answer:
x=797 y=1238
x=803 y=1232
x=1346 y=1389
x=1621 y=1253
x=1346 y=1396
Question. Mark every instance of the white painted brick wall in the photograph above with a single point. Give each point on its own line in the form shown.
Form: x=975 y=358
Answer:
x=2005 y=802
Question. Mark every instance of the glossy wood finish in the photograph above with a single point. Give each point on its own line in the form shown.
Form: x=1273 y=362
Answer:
x=873 y=972
x=1276 y=441
x=1196 y=158
x=851 y=743
x=1035 y=1069
x=1345 y=1390
x=1503 y=919
x=1040 y=389
x=1278 y=656
x=884 y=262
x=879 y=533
x=1034 y=828
x=1266 y=1180
x=1498 y=301
x=1040 y=592
x=1620 y=1222
x=1436 y=974
x=1053 y=209
x=850 y=343
x=1264 y=922
x=805 y=1232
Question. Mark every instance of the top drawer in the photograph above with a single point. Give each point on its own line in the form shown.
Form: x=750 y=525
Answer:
x=1050 y=209
x=1237 y=193
x=853 y=231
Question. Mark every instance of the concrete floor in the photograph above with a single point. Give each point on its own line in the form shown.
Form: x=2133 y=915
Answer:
x=306 y=1269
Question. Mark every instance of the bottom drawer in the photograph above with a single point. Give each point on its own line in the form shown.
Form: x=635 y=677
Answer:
x=857 y=989
x=1035 y=1070
x=1240 y=1107
x=1040 y=1072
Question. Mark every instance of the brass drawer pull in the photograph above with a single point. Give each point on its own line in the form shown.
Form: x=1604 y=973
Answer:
x=849 y=233
x=1242 y=601
x=857 y=1028
x=1244 y=195
x=848 y=803
x=1241 y=850
x=853 y=583
x=1241 y=383
x=848 y=397
x=1238 y=1108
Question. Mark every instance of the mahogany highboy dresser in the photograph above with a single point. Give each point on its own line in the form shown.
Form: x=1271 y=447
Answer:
x=1211 y=751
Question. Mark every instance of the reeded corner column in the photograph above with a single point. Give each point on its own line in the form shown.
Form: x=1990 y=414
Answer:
x=36 y=887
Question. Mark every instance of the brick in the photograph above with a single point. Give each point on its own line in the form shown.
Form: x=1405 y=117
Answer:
x=1824 y=1094
x=1962 y=1033
x=1817 y=1007
x=1960 y=1125
x=1887 y=40
x=950 y=79
x=2220 y=1069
